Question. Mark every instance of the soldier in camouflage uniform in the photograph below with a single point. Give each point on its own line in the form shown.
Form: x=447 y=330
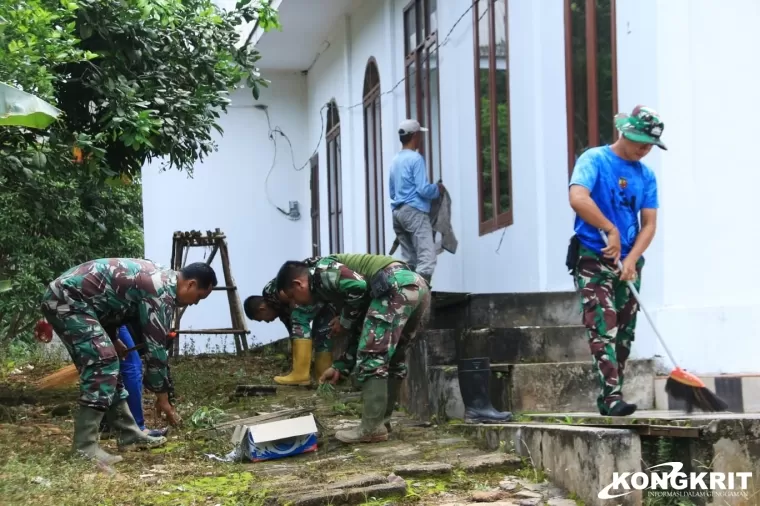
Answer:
x=609 y=188
x=301 y=322
x=384 y=304
x=104 y=294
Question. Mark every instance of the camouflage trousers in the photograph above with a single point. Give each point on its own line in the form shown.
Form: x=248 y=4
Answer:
x=91 y=349
x=609 y=315
x=320 y=329
x=319 y=326
x=390 y=325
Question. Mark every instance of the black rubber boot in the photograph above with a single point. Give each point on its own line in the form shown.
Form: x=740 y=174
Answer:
x=474 y=385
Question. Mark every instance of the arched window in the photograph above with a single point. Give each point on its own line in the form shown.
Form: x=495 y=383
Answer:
x=373 y=160
x=334 y=183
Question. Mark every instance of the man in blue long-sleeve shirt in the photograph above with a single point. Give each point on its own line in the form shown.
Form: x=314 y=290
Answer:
x=411 y=195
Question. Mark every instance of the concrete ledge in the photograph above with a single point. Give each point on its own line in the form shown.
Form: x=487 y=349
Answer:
x=579 y=459
x=509 y=310
x=572 y=386
x=731 y=445
x=553 y=387
x=507 y=345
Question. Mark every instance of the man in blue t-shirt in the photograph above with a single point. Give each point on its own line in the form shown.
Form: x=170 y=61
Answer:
x=411 y=196
x=609 y=188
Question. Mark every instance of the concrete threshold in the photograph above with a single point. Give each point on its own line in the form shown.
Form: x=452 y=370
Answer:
x=653 y=417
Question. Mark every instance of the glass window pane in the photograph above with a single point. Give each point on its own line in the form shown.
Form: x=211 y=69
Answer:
x=410 y=30
x=411 y=83
x=369 y=140
x=331 y=167
x=502 y=104
x=434 y=155
x=433 y=18
x=580 y=103
x=424 y=112
x=379 y=179
x=420 y=15
x=339 y=179
x=604 y=56
x=483 y=10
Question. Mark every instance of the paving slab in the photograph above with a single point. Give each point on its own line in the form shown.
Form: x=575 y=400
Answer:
x=426 y=461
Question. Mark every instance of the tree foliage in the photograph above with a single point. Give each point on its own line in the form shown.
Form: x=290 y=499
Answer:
x=161 y=78
x=136 y=80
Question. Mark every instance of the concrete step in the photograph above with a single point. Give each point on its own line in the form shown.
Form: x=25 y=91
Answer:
x=508 y=310
x=579 y=459
x=507 y=345
x=543 y=387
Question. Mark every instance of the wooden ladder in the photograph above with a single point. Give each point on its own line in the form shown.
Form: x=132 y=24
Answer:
x=216 y=240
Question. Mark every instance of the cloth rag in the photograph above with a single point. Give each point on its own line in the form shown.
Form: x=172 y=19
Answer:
x=440 y=219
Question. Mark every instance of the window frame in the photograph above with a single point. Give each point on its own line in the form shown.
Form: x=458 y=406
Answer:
x=592 y=90
x=417 y=55
x=334 y=174
x=500 y=219
x=371 y=101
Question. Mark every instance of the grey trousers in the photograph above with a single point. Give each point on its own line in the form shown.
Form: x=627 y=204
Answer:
x=415 y=236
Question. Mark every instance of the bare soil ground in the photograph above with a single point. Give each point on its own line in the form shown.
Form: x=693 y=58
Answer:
x=36 y=466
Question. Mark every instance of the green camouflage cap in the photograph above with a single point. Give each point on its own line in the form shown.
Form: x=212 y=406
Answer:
x=642 y=125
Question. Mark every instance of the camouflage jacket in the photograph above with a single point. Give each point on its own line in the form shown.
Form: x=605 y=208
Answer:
x=332 y=282
x=270 y=295
x=118 y=290
x=297 y=320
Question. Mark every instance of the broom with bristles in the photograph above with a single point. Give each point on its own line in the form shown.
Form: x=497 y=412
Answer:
x=67 y=376
x=681 y=384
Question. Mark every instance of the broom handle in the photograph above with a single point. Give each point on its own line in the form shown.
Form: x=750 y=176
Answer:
x=636 y=295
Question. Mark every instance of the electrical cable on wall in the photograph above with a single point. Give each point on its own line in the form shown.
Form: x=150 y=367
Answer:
x=293 y=213
x=424 y=60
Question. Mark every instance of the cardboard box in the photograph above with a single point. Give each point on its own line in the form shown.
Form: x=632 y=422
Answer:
x=276 y=440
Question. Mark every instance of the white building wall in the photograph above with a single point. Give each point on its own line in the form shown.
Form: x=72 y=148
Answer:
x=689 y=59
x=637 y=81
x=707 y=74
x=694 y=62
x=531 y=255
x=228 y=191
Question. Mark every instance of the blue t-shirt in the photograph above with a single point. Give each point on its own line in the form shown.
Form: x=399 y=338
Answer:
x=620 y=188
x=408 y=182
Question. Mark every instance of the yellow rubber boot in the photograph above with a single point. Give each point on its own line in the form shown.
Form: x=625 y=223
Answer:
x=301 y=365
x=322 y=362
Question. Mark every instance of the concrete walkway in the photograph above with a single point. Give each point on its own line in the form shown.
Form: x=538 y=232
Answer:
x=424 y=464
